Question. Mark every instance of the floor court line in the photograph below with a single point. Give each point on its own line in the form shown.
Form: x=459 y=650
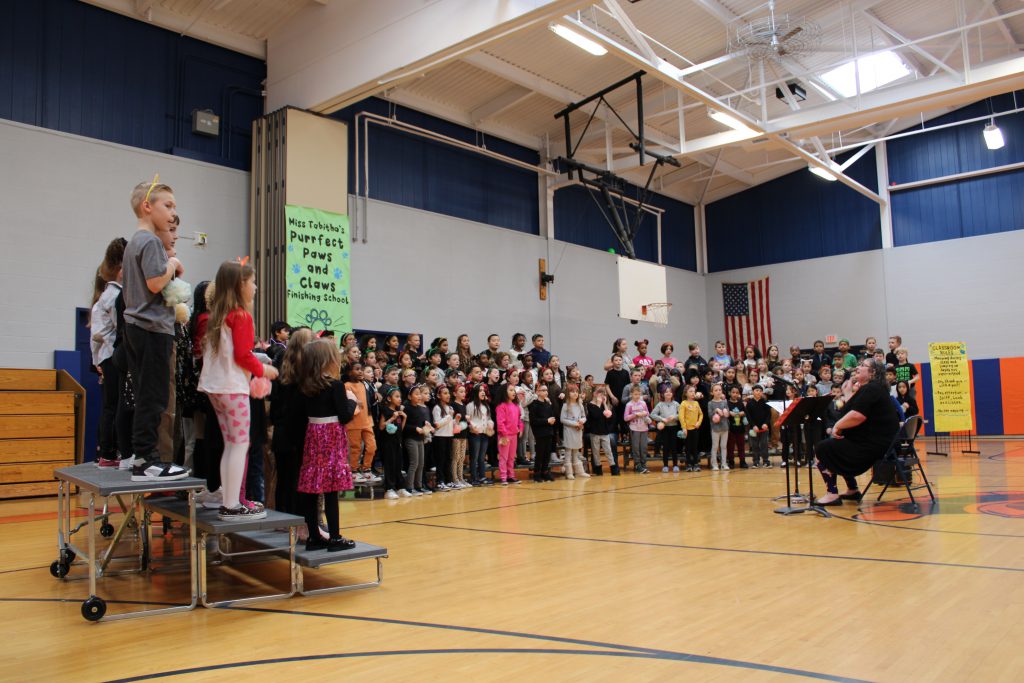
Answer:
x=612 y=649
x=531 y=489
x=697 y=659
x=745 y=551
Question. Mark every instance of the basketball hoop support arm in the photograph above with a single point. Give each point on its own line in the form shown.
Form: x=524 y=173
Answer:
x=604 y=180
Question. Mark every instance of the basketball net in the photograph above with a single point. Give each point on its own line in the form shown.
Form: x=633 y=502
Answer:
x=656 y=312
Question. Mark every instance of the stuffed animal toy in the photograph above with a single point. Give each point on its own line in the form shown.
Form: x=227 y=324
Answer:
x=177 y=295
x=259 y=387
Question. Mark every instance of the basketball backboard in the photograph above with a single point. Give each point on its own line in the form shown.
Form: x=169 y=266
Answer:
x=640 y=284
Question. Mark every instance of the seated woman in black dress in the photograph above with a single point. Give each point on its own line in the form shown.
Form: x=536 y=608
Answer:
x=861 y=435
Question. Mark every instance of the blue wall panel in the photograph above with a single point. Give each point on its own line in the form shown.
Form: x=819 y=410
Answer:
x=959 y=148
x=678 y=244
x=988 y=396
x=966 y=208
x=413 y=171
x=963 y=208
x=72 y=67
x=798 y=216
x=579 y=220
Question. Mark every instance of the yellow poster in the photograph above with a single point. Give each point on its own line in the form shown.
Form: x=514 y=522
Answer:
x=951 y=386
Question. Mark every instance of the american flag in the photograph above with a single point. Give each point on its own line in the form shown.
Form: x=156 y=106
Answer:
x=748 y=318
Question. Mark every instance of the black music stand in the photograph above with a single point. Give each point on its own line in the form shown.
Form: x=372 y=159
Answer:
x=793 y=418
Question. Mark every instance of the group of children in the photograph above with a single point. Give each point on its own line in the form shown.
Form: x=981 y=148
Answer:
x=375 y=410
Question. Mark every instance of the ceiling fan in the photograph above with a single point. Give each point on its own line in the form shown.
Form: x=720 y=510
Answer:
x=774 y=35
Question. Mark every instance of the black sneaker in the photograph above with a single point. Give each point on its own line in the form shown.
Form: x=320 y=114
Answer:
x=314 y=544
x=240 y=514
x=157 y=471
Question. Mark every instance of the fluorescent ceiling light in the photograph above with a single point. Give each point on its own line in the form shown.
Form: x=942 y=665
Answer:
x=730 y=120
x=993 y=136
x=822 y=172
x=874 y=70
x=579 y=40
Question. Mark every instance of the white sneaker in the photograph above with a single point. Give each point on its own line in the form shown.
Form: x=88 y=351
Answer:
x=403 y=493
x=373 y=478
x=442 y=487
x=714 y=468
x=391 y=494
x=358 y=477
x=466 y=485
x=725 y=467
x=664 y=469
x=128 y=463
x=415 y=493
x=211 y=500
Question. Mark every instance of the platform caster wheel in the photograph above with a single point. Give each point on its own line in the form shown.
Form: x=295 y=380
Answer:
x=58 y=569
x=67 y=556
x=107 y=530
x=94 y=608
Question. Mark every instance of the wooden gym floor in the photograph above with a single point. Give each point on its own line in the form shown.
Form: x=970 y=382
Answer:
x=656 y=577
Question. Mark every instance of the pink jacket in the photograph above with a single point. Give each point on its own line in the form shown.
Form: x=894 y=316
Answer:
x=508 y=418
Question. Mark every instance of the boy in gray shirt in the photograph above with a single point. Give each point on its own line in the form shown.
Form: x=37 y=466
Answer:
x=149 y=326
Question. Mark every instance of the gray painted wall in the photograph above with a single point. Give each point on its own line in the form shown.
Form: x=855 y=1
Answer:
x=442 y=276
x=63 y=198
x=956 y=290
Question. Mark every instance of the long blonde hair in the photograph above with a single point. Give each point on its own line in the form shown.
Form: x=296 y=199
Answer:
x=227 y=297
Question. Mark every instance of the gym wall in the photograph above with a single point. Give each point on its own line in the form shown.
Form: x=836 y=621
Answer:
x=442 y=276
x=63 y=198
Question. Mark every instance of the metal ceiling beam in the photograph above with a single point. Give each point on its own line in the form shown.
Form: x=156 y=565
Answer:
x=826 y=20
x=506 y=99
x=891 y=32
x=634 y=34
x=668 y=73
x=429 y=106
x=554 y=91
x=933 y=92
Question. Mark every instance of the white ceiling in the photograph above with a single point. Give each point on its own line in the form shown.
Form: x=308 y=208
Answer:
x=958 y=51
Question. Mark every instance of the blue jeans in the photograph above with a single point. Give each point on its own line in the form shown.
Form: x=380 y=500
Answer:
x=477 y=456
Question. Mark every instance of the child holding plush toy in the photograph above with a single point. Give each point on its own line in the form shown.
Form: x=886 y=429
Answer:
x=691 y=417
x=390 y=422
x=149 y=326
x=759 y=417
x=718 y=413
x=228 y=366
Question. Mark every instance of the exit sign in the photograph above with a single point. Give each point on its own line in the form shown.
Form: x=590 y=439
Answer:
x=830 y=339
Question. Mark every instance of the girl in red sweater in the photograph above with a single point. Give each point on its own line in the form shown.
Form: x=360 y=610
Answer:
x=228 y=366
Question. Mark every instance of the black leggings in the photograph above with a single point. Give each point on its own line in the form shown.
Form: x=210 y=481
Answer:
x=312 y=513
x=107 y=434
x=286 y=494
x=669 y=444
x=692 y=442
x=390 y=452
x=442 y=450
x=543 y=455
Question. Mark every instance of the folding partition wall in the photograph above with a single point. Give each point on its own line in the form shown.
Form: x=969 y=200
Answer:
x=298 y=159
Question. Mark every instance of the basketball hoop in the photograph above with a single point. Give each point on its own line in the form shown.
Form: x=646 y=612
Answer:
x=656 y=312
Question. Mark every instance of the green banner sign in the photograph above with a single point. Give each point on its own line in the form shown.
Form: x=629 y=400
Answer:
x=317 y=274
